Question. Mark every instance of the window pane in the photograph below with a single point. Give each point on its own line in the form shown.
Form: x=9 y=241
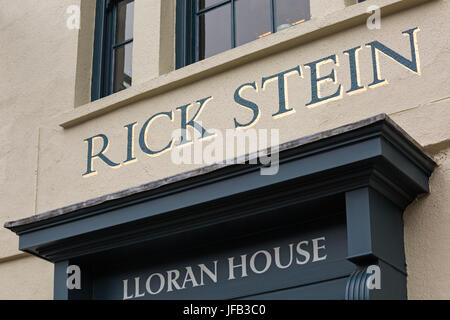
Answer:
x=252 y=20
x=123 y=67
x=291 y=12
x=202 y=4
x=124 y=21
x=214 y=31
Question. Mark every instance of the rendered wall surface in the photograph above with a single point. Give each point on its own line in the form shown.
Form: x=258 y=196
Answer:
x=46 y=117
x=38 y=65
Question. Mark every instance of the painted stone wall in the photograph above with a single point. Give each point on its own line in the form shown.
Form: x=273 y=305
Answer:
x=49 y=124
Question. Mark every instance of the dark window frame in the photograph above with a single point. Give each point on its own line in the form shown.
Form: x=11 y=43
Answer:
x=187 y=42
x=104 y=47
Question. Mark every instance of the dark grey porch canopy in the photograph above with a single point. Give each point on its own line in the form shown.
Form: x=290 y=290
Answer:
x=319 y=229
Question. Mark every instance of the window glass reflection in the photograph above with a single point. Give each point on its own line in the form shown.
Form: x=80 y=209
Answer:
x=225 y=24
x=252 y=20
x=207 y=3
x=123 y=67
x=290 y=12
x=215 y=32
x=124 y=21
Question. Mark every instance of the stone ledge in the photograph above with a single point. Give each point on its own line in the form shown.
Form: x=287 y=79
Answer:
x=208 y=169
x=311 y=30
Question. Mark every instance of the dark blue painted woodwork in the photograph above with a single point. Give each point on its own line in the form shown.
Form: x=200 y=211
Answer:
x=352 y=187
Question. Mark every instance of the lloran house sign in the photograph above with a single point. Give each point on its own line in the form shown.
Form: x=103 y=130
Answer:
x=190 y=118
x=300 y=253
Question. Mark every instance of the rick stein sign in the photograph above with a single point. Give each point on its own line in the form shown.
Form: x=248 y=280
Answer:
x=323 y=81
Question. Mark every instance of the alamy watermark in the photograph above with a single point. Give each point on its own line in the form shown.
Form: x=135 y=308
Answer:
x=374 y=280
x=251 y=146
x=73 y=282
x=74 y=12
x=374 y=21
x=73 y=21
x=74 y=279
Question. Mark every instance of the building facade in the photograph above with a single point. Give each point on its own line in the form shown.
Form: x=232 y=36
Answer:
x=265 y=149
